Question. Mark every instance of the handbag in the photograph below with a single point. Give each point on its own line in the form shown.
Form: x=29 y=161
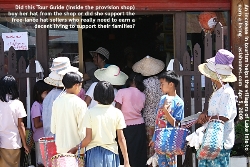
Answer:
x=48 y=149
x=68 y=160
x=212 y=141
x=171 y=141
x=29 y=138
x=27 y=161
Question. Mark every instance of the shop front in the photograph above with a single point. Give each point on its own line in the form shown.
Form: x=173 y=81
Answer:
x=164 y=29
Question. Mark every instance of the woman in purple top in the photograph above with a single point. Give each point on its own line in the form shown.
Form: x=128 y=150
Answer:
x=40 y=91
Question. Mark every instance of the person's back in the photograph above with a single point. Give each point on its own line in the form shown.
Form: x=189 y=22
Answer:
x=67 y=114
x=153 y=95
x=131 y=101
x=105 y=120
x=47 y=110
x=103 y=123
x=12 y=130
x=68 y=111
x=9 y=135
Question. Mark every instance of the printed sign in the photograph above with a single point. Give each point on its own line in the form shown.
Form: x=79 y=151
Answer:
x=19 y=40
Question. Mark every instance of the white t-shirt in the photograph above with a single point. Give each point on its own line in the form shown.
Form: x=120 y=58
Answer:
x=9 y=114
x=67 y=121
x=104 y=120
x=90 y=93
x=223 y=103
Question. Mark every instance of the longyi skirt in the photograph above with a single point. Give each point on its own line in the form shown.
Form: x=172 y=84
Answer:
x=101 y=157
x=136 y=145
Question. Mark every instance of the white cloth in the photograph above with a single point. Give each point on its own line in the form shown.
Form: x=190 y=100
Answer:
x=9 y=114
x=39 y=159
x=90 y=93
x=104 y=120
x=153 y=160
x=195 y=139
x=223 y=103
x=67 y=121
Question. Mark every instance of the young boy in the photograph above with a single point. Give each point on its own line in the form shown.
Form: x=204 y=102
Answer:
x=67 y=114
x=170 y=112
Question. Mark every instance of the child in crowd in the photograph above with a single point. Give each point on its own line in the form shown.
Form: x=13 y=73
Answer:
x=68 y=112
x=40 y=91
x=169 y=113
x=12 y=129
x=130 y=101
x=103 y=123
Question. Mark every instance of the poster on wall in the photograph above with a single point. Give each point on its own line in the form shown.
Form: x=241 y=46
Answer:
x=19 y=40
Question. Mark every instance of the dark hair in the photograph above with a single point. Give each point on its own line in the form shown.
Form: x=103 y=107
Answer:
x=104 y=93
x=8 y=85
x=39 y=87
x=137 y=78
x=70 y=79
x=170 y=76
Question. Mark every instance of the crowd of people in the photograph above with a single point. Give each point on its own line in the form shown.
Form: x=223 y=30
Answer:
x=113 y=123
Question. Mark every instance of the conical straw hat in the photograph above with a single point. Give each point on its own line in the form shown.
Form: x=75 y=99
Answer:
x=148 y=66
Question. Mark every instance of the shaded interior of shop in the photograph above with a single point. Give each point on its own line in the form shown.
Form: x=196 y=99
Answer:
x=152 y=35
x=147 y=38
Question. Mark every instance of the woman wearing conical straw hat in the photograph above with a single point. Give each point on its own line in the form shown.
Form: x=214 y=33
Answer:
x=149 y=67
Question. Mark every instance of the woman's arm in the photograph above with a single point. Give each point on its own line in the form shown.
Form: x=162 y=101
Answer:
x=202 y=117
x=118 y=105
x=87 y=100
x=224 y=119
x=123 y=146
x=21 y=129
x=37 y=122
x=86 y=77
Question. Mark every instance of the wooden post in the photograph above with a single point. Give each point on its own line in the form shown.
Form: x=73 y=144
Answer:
x=22 y=81
x=208 y=54
x=42 y=51
x=240 y=49
x=1 y=57
x=180 y=40
x=80 y=48
x=219 y=36
x=12 y=62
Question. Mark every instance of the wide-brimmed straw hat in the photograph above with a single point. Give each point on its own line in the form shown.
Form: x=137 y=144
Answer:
x=101 y=51
x=148 y=66
x=219 y=67
x=111 y=74
x=54 y=79
x=60 y=66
